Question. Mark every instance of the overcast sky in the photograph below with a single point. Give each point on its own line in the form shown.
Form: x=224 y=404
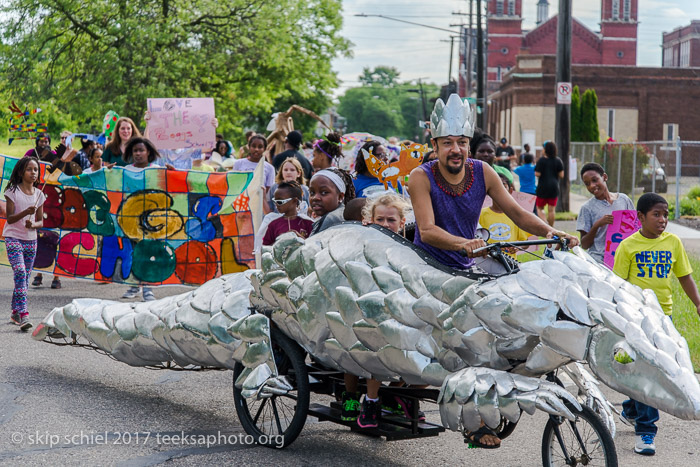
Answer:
x=419 y=52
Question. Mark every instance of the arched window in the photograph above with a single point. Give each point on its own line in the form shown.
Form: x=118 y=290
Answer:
x=615 y=9
x=626 y=11
x=499 y=7
x=511 y=7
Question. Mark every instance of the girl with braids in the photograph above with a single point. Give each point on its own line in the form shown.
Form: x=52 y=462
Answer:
x=327 y=151
x=25 y=214
x=483 y=147
x=329 y=190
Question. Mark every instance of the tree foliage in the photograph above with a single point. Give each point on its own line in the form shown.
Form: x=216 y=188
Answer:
x=385 y=76
x=94 y=56
x=589 y=116
x=576 y=115
x=386 y=107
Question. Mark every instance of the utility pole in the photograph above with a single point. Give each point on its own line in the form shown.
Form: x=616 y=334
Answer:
x=563 y=111
x=468 y=43
x=479 y=67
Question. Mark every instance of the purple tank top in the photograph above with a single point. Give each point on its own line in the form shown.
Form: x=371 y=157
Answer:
x=457 y=215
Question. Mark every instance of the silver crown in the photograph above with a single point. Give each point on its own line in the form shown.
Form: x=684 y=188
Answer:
x=454 y=119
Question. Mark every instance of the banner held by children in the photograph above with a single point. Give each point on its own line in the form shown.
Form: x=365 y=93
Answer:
x=625 y=223
x=155 y=227
x=182 y=123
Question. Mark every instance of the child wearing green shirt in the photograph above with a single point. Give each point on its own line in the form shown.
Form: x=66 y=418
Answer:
x=647 y=258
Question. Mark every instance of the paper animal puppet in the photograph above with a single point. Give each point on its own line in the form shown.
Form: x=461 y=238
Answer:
x=109 y=124
x=410 y=157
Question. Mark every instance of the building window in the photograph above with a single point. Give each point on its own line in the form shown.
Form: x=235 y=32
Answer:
x=626 y=11
x=670 y=131
x=498 y=73
x=499 y=7
x=685 y=54
x=616 y=9
x=611 y=123
x=511 y=7
x=620 y=54
x=504 y=50
x=668 y=57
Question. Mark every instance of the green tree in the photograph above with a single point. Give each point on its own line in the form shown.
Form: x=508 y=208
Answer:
x=385 y=76
x=384 y=106
x=576 y=115
x=95 y=56
x=371 y=109
x=589 y=116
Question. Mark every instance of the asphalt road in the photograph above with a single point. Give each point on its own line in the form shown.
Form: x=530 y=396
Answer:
x=72 y=406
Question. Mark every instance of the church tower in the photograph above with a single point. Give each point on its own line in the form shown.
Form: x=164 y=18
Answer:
x=542 y=11
x=618 y=28
x=505 y=19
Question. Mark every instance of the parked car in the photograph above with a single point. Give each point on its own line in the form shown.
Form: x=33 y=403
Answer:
x=657 y=168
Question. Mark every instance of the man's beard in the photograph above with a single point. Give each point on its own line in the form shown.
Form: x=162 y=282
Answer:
x=454 y=170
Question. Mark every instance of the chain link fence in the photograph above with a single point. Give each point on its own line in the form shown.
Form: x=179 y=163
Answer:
x=670 y=168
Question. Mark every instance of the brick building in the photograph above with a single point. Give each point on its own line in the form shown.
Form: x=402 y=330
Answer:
x=634 y=103
x=615 y=44
x=681 y=47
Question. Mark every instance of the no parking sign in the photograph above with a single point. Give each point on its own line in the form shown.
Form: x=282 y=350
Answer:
x=564 y=93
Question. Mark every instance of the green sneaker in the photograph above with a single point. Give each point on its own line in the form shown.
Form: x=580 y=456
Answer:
x=351 y=406
x=391 y=405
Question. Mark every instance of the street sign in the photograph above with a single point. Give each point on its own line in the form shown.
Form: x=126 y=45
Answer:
x=564 y=93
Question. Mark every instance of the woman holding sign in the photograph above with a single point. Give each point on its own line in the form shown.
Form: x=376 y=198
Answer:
x=114 y=151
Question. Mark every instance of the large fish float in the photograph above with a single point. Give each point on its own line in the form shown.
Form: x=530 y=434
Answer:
x=365 y=301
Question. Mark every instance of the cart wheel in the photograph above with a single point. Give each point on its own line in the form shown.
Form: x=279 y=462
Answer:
x=583 y=442
x=277 y=421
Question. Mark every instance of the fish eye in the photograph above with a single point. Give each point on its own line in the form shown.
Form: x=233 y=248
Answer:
x=622 y=356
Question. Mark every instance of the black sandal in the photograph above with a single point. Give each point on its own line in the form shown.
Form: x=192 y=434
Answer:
x=474 y=438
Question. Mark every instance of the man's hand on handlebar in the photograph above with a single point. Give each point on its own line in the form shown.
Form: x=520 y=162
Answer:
x=468 y=247
x=571 y=240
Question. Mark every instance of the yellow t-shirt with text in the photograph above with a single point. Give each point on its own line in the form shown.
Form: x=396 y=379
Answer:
x=501 y=228
x=648 y=262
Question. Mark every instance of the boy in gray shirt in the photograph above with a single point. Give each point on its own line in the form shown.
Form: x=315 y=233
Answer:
x=596 y=213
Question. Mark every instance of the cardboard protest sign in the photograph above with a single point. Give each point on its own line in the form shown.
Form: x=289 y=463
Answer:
x=625 y=223
x=154 y=226
x=182 y=123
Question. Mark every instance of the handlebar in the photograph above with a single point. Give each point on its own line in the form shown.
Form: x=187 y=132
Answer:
x=547 y=241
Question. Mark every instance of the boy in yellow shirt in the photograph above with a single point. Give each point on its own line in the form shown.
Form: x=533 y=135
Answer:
x=647 y=258
x=500 y=227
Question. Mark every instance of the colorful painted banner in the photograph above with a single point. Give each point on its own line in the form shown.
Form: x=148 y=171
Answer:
x=625 y=223
x=153 y=226
x=20 y=128
x=182 y=123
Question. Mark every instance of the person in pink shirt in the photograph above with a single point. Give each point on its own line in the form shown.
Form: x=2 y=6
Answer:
x=25 y=214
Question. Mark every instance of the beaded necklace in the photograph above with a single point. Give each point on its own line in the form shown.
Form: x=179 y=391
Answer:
x=460 y=188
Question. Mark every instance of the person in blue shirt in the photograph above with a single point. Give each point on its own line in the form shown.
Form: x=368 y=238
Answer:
x=366 y=183
x=526 y=174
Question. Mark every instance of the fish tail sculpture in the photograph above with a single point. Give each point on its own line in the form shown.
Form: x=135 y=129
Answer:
x=210 y=327
x=367 y=302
